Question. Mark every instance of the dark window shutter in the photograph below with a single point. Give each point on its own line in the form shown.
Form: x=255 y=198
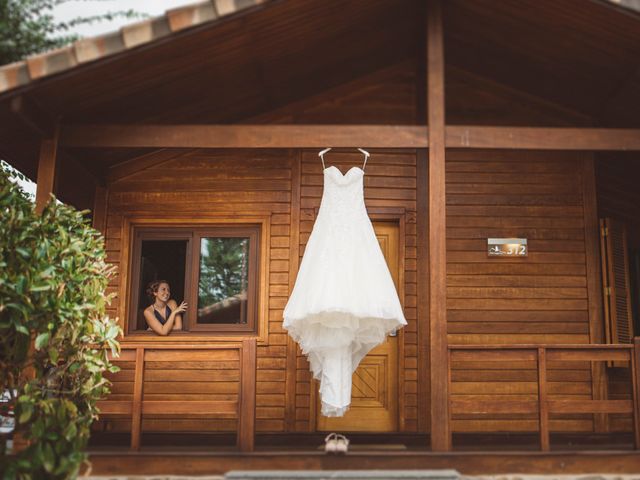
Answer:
x=615 y=276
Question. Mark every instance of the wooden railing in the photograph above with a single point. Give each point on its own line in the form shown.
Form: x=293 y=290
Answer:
x=243 y=409
x=543 y=406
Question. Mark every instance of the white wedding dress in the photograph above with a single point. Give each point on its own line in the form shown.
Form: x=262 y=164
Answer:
x=344 y=302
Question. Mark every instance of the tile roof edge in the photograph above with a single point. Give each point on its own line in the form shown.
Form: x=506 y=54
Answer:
x=40 y=65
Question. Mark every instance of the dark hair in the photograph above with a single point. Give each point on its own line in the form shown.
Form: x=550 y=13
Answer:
x=153 y=288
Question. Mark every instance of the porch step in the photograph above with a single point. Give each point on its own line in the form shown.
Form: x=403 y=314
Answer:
x=342 y=474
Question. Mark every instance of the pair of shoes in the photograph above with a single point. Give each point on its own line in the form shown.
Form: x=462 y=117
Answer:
x=336 y=443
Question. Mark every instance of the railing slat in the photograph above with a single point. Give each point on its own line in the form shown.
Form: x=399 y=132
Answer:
x=221 y=408
x=590 y=406
x=542 y=399
x=592 y=355
x=247 y=411
x=136 y=415
x=493 y=406
x=493 y=355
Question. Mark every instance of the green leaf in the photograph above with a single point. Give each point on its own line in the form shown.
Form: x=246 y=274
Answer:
x=26 y=410
x=42 y=340
x=40 y=288
x=22 y=329
x=53 y=355
x=71 y=431
x=48 y=457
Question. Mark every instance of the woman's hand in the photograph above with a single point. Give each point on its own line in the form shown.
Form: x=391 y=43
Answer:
x=180 y=308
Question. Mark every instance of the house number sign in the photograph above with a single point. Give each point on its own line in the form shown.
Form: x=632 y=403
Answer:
x=507 y=247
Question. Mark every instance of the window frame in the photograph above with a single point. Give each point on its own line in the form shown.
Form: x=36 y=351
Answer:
x=193 y=233
x=229 y=232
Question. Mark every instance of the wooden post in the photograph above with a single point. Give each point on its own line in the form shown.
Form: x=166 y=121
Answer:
x=46 y=170
x=247 y=410
x=594 y=285
x=440 y=434
x=99 y=214
x=635 y=382
x=422 y=251
x=543 y=406
x=136 y=410
x=294 y=258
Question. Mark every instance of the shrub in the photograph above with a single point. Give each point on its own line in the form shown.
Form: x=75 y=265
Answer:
x=54 y=333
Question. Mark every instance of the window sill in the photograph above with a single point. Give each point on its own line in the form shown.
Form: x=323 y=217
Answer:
x=147 y=337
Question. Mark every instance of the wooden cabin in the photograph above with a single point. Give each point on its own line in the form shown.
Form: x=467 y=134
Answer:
x=485 y=120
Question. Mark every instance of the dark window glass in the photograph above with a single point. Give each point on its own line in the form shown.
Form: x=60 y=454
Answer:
x=223 y=280
x=161 y=260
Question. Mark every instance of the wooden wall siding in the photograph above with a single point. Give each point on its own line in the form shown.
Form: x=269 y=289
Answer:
x=476 y=100
x=618 y=197
x=390 y=183
x=387 y=96
x=539 y=299
x=206 y=183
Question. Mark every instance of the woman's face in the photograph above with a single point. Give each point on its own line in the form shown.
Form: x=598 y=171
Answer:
x=164 y=292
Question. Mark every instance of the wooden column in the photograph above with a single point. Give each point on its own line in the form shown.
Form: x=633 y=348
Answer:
x=594 y=285
x=46 y=170
x=440 y=433
x=422 y=252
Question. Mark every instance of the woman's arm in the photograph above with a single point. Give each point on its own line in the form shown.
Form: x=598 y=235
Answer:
x=155 y=324
x=178 y=316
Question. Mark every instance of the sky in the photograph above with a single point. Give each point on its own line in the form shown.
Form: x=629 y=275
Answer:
x=84 y=8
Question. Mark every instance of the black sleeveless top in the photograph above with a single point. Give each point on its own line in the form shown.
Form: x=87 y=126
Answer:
x=159 y=317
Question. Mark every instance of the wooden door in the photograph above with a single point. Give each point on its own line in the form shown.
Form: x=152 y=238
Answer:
x=374 y=392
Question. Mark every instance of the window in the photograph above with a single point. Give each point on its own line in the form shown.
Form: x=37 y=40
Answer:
x=213 y=269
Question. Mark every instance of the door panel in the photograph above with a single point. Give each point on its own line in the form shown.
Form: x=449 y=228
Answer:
x=374 y=395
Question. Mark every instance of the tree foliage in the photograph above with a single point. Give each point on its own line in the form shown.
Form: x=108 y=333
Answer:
x=54 y=333
x=28 y=27
x=223 y=269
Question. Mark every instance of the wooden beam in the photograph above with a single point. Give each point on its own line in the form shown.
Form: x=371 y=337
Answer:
x=244 y=136
x=541 y=138
x=372 y=136
x=46 y=171
x=440 y=429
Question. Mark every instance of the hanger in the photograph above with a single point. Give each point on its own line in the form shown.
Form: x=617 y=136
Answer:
x=365 y=153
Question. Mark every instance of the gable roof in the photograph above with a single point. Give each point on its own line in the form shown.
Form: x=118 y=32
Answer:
x=21 y=73
x=84 y=50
